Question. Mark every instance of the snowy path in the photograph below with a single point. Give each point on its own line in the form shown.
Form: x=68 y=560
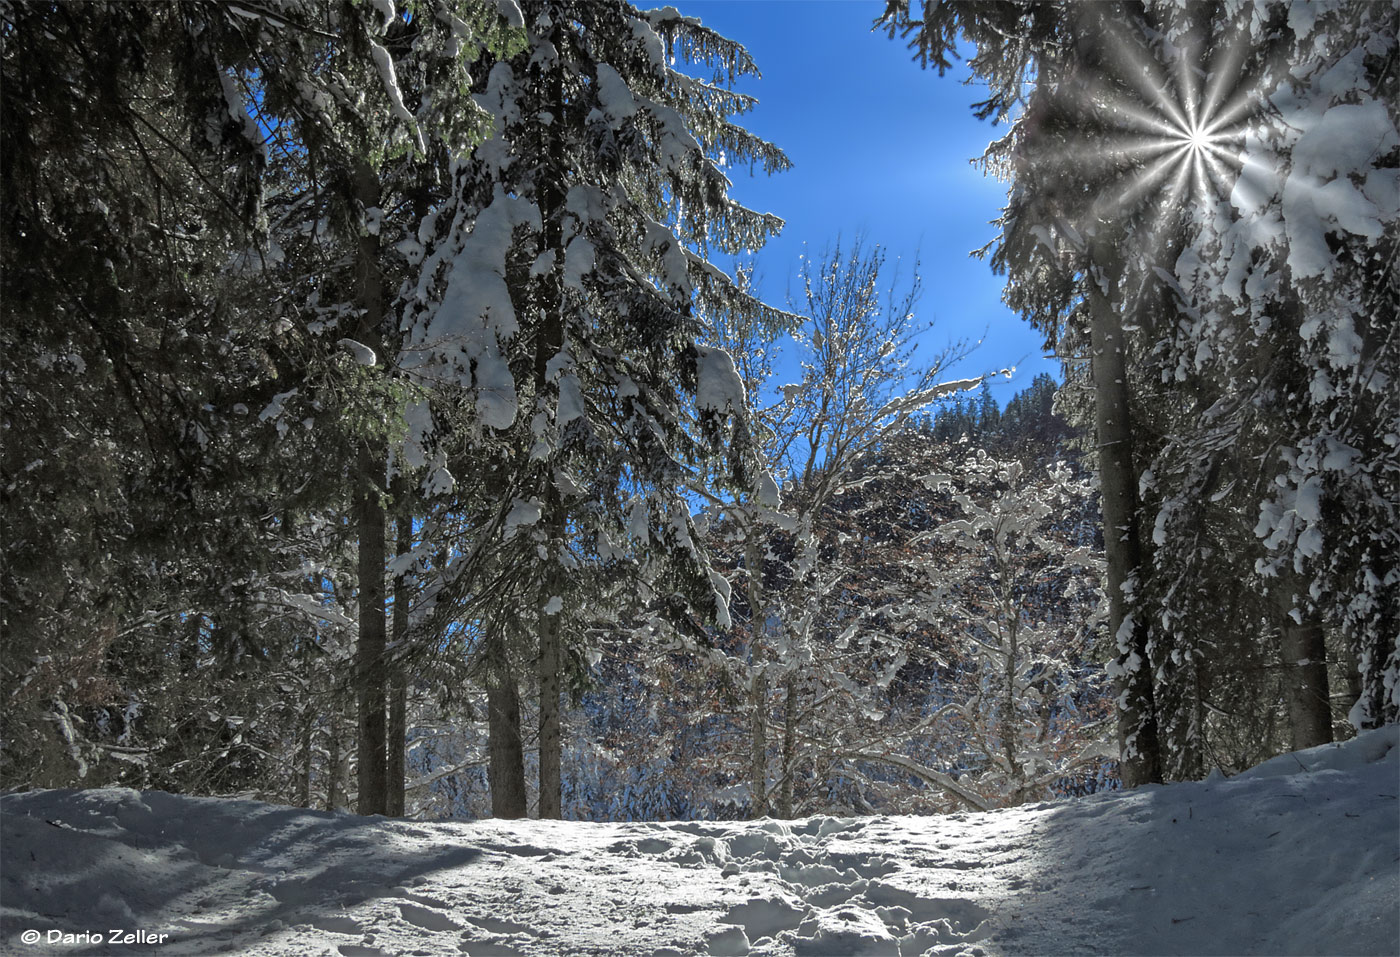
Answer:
x=1301 y=855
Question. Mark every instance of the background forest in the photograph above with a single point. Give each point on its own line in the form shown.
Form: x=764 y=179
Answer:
x=390 y=421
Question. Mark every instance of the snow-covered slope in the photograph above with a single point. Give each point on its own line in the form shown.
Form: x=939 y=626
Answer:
x=1300 y=855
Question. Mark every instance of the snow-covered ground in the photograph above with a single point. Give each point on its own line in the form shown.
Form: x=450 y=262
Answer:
x=1300 y=855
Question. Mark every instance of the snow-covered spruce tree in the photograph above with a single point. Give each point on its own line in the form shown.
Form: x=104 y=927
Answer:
x=1233 y=388
x=1233 y=363
x=358 y=171
x=1288 y=322
x=1085 y=127
x=137 y=490
x=557 y=288
x=659 y=701
x=226 y=182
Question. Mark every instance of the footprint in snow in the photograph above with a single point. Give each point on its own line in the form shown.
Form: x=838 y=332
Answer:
x=427 y=918
x=730 y=942
x=433 y=902
x=475 y=947
x=767 y=916
x=815 y=875
x=864 y=865
x=499 y=925
x=339 y=925
x=704 y=850
x=647 y=845
x=963 y=916
x=835 y=903
x=844 y=930
x=481 y=948
x=830 y=895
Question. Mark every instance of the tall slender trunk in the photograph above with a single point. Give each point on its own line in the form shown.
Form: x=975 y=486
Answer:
x=333 y=777
x=372 y=781
x=398 y=742
x=758 y=745
x=548 y=673
x=548 y=345
x=307 y=717
x=397 y=731
x=1009 y=725
x=1303 y=653
x=787 y=786
x=506 y=751
x=305 y=752
x=369 y=476
x=1140 y=749
x=758 y=693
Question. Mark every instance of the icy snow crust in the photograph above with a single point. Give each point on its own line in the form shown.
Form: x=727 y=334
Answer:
x=1301 y=855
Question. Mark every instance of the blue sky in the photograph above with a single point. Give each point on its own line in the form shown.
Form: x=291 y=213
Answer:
x=878 y=146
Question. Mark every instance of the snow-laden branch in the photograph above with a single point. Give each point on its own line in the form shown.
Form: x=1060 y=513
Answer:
x=938 y=779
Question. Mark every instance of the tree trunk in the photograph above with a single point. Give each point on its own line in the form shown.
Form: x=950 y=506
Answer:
x=1009 y=730
x=787 y=786
x=551 y=735
x=333 y=795
x=758 y=746
x=1303 y=650
x=397 y=731
x=398 y=738
x=369 y=472
x=369 y=650
x=305 y=754
x=1140 y=761
x=506 y=750
x=548 y=344
x=307 y=718
x=758 y=696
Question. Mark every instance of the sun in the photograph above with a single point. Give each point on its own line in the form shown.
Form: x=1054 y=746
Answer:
x=1166 y=130
x=1197 y=139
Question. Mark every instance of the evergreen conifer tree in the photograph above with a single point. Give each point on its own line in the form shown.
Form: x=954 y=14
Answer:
x=1249 y=308
x=561 y=289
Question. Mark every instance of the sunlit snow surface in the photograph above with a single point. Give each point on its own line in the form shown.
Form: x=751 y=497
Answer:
x=1301 y=855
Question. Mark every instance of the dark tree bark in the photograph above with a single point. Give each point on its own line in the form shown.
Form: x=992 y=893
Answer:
x=758 y=747
x=1139 y=746
x=549 y=342
x=370 y=679
x=305 y=755
x=548 y=672
x=506 y=750
x=397 y=731
x=787 y=786
x=398 y=735
x=758 y=741
x=1350 y=677
x=1303 y=654
x=333 y=779
x=369 y=650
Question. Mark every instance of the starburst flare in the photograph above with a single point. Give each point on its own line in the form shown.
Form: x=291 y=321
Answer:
x=1170 y=124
